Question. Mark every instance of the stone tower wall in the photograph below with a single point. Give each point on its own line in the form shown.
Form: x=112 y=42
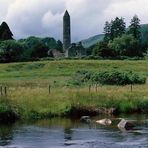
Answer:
x=66 y=31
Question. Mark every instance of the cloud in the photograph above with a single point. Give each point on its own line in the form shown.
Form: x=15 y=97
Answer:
x=127 y=9
x=44 y=17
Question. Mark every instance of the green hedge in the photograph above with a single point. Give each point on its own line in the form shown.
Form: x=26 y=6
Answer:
x=118 y=78
x=107 y=78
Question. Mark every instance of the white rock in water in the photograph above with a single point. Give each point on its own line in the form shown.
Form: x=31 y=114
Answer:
x=126 y=125
x=104 y=121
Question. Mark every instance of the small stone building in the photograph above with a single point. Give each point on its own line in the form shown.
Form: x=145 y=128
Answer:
x=55 y=53
x=75 y=50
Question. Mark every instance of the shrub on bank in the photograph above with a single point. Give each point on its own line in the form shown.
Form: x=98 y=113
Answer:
x=7 y=113
x=118 y=78
x=107 y=78
x=80 y=77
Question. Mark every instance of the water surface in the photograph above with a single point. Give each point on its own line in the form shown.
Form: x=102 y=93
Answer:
x=70 y=133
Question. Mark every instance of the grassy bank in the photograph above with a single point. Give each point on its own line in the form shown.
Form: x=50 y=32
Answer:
x=28 y=94
x=38 y=103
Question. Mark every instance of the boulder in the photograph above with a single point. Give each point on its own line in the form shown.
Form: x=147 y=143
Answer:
x=104 y=121
x=125 y=125
x=85 y=119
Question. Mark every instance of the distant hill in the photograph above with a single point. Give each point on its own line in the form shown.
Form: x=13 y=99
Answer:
x=144 y=31
x=144 y=28
x=92 y=40
x=95 y=39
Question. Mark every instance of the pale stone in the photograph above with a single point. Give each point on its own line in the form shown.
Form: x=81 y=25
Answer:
x=125 y=125
x=104 y=121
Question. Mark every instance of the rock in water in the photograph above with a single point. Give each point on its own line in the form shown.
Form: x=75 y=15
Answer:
x=85 y=119
x=104 y=122
x=125 y=125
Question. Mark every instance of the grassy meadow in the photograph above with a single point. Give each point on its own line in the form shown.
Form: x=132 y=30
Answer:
x=28 y=88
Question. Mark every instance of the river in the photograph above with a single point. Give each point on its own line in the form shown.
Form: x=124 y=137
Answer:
x=71 y=133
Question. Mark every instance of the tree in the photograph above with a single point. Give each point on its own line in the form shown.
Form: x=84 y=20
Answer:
x=39 y=51
x=126 y=45
x=5 y=32
x=49 y=42
x=107 y=32
x=38 y=47
x=10 y=50
x=114 y=29
x=101 y=49
x=118 y=28
x=135 y=27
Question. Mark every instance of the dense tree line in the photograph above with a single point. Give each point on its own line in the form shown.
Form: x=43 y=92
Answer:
x=118 y=41
x=31 y=48
x=121 y=41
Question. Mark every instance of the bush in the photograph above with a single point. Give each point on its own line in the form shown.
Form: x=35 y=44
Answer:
x=126 y=45
x=118 y=78
x=107 y=77
x=11 y=50
x=80 y=77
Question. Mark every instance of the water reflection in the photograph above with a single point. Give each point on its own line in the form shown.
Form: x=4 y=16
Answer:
x=6 y=134
x=68 y=134
x=60 y=133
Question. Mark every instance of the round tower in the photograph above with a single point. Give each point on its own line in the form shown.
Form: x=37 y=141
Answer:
x=66 y=31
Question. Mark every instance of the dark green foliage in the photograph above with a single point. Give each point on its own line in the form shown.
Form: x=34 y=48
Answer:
x=114 y=29
x=101 y=49
x=120 y=41
x=126 y=45
x=118 y=78
x=10 y=50
x=88 y=43
x=32 y=48
x=5 y=32
x=39 y=51
x=135 y=27
x=80 y=77
x=107 y=78
x=33 y=45
x=4 y=108
x=50 y=42
x=107 y=32
x=118 y=27
x=7 y=113
x=39 y=47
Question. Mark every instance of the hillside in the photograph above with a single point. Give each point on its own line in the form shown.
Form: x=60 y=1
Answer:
x=60 y=71
x=95 y=39
x=92 y=40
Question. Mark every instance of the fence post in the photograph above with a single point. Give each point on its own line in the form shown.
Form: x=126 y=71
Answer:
x=89 y=88
x=96 y=87
x=5 y=91
x=131 y=87
x=49 y=89
x=1 y=90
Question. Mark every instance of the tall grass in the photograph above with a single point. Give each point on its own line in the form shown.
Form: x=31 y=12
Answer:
x=28 y=88
x=36 y=102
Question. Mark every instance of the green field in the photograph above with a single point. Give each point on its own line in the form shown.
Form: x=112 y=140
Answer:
x=58 y=70
x=28 y=92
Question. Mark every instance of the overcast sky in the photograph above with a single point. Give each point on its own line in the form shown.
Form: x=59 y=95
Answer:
x=44 y=17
